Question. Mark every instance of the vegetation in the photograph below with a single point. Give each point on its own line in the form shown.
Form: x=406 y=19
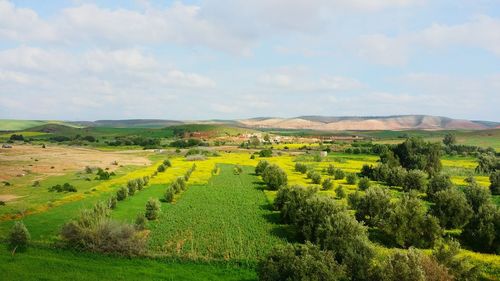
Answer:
x=19 y=236
x=274 y=177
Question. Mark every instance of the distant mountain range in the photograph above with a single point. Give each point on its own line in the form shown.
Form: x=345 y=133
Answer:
x=319 y=123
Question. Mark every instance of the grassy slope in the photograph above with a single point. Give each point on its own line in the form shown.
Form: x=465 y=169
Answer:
x=226 y=219
x=49 y=264
x=14 y=125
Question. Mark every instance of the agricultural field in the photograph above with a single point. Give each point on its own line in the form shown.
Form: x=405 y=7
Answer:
x=218 y=228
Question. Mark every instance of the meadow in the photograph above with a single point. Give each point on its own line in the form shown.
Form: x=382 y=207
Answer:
x=216 y=229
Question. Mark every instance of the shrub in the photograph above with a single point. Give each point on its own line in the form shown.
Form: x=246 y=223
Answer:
x=152 y=209
x=364 y=183
x=266 y=153
x=330 y=170
x=237 y=170
x=327 y=184
x=112 y=201
x=161 y=168
x=451 y=208
x=94 y=231
x=495 y=183
x=261 y=166
x=460 y=267
x=66 y=187
x=437 y=183
x=477 y=196
x=103 y=175
x=396 y=176
x=19 y=236
x=340 y=191
x=300 y=262
x=316 y=178
x=339 y=174
x=311 y=214
x=140 y=222
x=415 y=180
x=301 y=168
x=181 y=183
x=482 y=231
x=290 y=200
x=167 y=163
x=131 y=190
x=374 y=207
x=351 y=179
x=410 y=225
x=169 y=194
x=274 y=177
x=122 y=193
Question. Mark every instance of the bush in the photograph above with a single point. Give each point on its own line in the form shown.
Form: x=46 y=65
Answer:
x=19 y=236
x=266 y=153
x=169 y=194
x=460 y=267
x=339 y=174
x=167 y=163
x=451 y=208
x=161 y=168
x=112 y=201
x=396 y=176
x=477 y=196
x=274 y=177
x=364 y=183
x=237 y=170
x=122 y=193
x=131 y=190
x=340 y=191
x=140 y=222
x=315 y=178
x=439 y=182
x=311 y=214
x=66 y=187
x=261 y=166
x=103 y=175
x=300 y=262
x=374 y=207
x=415 y=180
x=410 y=225
x=94 y=231
x=290 y=200
x=495 y=183
x=327 y=184
x=482 y=232
x=152 y=209
x=301 y=168
x=351 y=179
x=330 y=170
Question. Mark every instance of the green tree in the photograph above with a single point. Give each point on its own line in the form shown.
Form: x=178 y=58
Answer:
x=290 y=200
x=364 y=183
x=477 y=196
x=449 y=139
x=330 y=170
x=19 y=236
x=312 y=214
x=122 y=193
x=152 y=209
x=298 y=263
x=274 y=177
x=340 y=191
x=483 y=230
x=169 y=194
x=351 y=178
x=415 y=180
x=487 y=163
x=495 y=183
x=410 y=225
x=451 y=208
x=301 y=168
x=396 y=176
x=339 y=174
x=315 y=178
x=372 y=208
x=438 y=183
x=459 y=266
x=327 y=184
x=416 y=154
x=261 y=166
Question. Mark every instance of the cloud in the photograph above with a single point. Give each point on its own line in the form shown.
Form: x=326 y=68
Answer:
x=481 y=32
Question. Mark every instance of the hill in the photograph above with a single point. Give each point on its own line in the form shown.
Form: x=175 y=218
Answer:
x=398 y=122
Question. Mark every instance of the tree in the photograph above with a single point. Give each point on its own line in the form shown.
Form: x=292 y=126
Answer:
x=340 y=191
x=140 y=222
x=487 y=163
x=396 y=176
x=261 y=166
x=348 y=239
x=315 y=178
x=274 y=177
x=415 y=153
x=364 y=183
x=300 y=262
x=19 y=236
x=483 y=230
x=477 y=195
x=169 y=194
x=330 y=170
x=438 y=183
x=152 y=209
x=410 y=225
x=327 y=184
x=415 y=180
x=339 y=174
x=122 y=193
x=451 y=208
x=301 y=168
x=312 y=214
x=266 y=153
x=351 y=178
x=112 y=201
x=290 y=200
x=449 y=139
x=495 y=183
x=161 y=168
x=372 y=208
x=460 y=267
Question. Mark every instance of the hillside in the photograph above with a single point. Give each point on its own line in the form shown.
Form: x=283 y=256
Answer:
x=401 y=122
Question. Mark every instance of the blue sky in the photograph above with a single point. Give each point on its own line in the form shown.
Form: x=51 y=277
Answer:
x=88 y=60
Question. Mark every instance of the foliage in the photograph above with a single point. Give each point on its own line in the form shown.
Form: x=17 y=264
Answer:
x=261 y=166
x=415 y=180
x=396 y=176
x=301 y=168
x=351 y=179
x=364 y=183
x=438 y=183
x=340 y=191
x=266 y=153
x=449 y=139
x=477 y=195
x=66 y=187
x=103 y=175
x=495 y=183
x=289 y=201
x=122 y=193
x=300 y=262
x=112 y=201
x=161 y=168
x=338 y=174
x=487 y=163
x=274 y=177
x=373 y=207
x=459 y=267
x=483 y=230
x=140 y=222
x=414 y=153
x=168 y=196
x=451 y=208
x=327 y=184
x=92 y=230
x=315 y=178
x=410 y=225
x=330 y=170
x=19 y=236
x=152 y=209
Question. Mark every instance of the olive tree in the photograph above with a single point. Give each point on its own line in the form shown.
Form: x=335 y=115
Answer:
x=274 y=177
x=451 y=208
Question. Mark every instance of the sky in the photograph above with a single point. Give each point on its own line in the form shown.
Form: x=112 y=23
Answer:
x=213 y=59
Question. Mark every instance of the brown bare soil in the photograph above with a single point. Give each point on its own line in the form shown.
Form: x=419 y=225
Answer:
x=21 y=160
